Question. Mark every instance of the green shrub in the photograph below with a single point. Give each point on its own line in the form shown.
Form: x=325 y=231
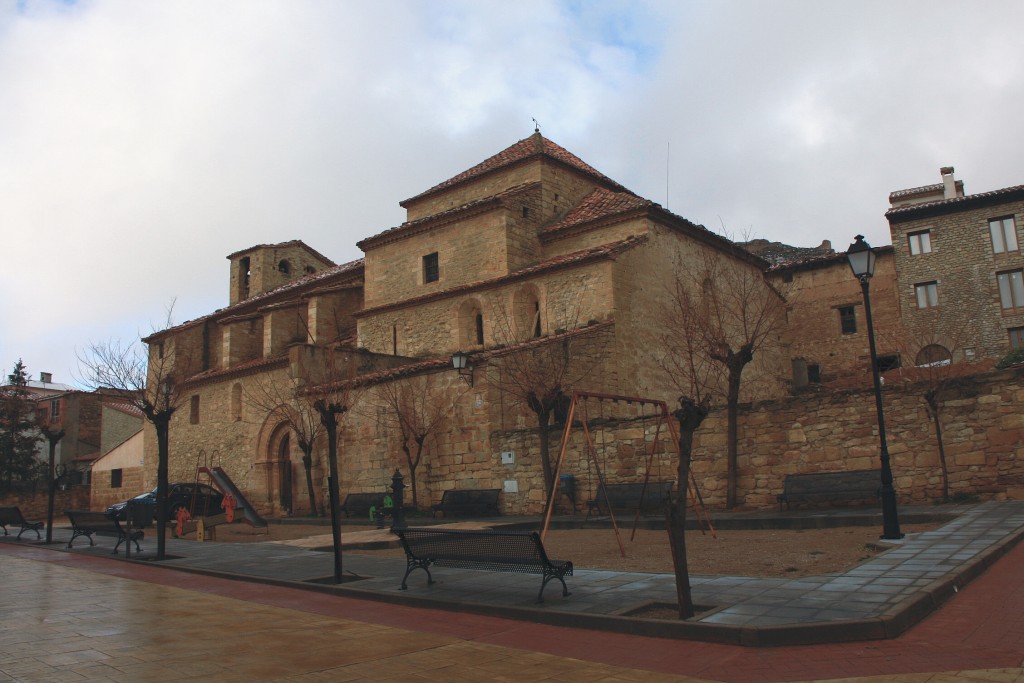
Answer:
x=1012 y=358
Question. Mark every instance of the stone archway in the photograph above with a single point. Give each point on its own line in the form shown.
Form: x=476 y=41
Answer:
x=274 y=463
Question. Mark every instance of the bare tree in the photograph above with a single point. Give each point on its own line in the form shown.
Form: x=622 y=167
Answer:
x=418 y=410
x=540 y=372
x=152 y=383
x=739 y=315
x=686 y=361
x=283 y=400
x=935 y=367
x=328 y=388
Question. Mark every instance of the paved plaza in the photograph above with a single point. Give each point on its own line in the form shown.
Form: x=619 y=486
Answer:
x=245 y=612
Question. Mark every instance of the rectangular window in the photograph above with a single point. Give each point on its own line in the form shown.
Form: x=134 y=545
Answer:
x=920 y=242
x=1011 y=289
x=814 y=373
x=927 y=294
x=886 y=363
x=55 y=409
x=115 y=479
x=1016 y=337
x=847 y=319
x=431 y=273
x=1004 y=235
x=193 y=415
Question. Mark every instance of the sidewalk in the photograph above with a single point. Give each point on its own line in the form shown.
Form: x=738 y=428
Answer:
x=880 y=598
x=79 y=612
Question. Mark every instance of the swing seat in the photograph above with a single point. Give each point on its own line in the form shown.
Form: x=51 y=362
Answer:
x=651 y=497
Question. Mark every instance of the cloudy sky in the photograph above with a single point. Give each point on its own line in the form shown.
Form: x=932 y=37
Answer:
x=142 y=142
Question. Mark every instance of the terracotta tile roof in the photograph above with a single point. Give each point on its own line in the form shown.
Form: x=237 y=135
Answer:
x=473 y=208
x=126 y=408
x=350 y=269
x=575 y=258
x=281 y=245
x=247 y=367
x=941 y=206
x=445 y=362
x=598 y=205
x=529 y=148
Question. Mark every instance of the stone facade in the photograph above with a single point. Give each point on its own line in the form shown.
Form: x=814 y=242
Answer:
x=942 y=237
x=825 y=345
x=534 y=262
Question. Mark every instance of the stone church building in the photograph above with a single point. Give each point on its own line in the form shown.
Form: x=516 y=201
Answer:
x=548 y=277
x=532 y=262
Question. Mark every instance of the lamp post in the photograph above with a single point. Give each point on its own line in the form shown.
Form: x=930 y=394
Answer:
x=460 y=361
x=862 y=263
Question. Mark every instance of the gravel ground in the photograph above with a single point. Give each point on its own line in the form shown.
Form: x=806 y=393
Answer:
x=773 y=553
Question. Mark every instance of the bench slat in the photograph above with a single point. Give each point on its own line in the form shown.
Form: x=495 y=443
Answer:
x=505 y=551
x=844 y=485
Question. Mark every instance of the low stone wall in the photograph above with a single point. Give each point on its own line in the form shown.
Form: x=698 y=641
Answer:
x=982 y=427
x=33 y=506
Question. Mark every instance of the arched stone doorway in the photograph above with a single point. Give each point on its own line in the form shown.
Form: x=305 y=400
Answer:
x=275 y=465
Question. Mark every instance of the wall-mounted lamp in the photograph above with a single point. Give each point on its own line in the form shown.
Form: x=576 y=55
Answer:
x=460 y=361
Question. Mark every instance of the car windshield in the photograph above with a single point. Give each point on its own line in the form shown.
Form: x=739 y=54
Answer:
x=145 y=496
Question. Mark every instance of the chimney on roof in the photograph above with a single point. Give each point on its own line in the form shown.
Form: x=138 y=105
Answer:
x=948 y=183
x=46 y=377
x=826 y=245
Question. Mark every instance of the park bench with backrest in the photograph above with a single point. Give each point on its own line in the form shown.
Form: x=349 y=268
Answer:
x=469 y=502
x=503 y=551
x=848 y=486
x=361 y=503
x=647 y=498
x=86 y=523
x=11 y=516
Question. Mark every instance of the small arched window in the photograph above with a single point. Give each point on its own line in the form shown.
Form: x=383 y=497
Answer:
x=933 y=355
x=284 y=267
x=470 y=324
x=236 y=402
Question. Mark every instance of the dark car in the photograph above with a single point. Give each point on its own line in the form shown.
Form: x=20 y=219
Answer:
x=198 y=499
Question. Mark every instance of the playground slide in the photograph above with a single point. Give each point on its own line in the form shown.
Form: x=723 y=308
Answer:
x=226 y=486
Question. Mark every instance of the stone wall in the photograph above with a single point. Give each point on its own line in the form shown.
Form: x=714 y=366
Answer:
x=33 y=505
x=964 y=266
x=983 y=431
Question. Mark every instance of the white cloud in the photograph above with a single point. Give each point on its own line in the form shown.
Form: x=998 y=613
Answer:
x=140 y=143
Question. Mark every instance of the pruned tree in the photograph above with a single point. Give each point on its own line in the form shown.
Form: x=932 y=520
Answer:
x=686 y=360
x=938 y=360
x=540 y=372
x=18 y=430
x=326 y=379
x=418 y=410
x=738 y=315
x=283 y=399
x=152 y=382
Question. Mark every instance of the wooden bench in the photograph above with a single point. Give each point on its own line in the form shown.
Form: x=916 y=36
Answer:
x=360 y=503
x=649 y=497
x=475 y=502
x=11 y=516
x=504 y=551
x=851 y=485
x=86 y=523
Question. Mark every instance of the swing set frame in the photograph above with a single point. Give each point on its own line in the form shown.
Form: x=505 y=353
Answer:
x=662 y=416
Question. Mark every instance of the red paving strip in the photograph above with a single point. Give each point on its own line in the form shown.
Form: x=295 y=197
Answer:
x=981 y=628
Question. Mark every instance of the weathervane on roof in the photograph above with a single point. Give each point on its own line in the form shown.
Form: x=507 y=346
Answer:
x=536 y=126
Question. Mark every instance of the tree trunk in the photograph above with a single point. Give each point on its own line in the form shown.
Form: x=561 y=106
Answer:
x=161 y=422
x=690 y=416
x=307 y=464
x=330 y=423
x=54 y=438
x=732 y=437
x=933 y=409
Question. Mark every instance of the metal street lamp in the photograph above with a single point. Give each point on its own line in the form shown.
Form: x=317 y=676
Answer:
x=862 y=263
x=460 y=361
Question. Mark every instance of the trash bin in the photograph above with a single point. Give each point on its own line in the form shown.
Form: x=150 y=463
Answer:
x=567 y=485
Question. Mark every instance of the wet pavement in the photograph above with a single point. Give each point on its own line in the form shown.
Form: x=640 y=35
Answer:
x=87 y=614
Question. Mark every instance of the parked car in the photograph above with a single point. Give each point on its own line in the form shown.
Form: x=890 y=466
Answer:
x=198 y=499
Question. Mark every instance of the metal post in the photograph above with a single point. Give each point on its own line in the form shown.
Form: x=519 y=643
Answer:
x=890 y=517
x=398 y=511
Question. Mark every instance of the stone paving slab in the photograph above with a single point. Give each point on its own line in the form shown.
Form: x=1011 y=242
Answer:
x=879 y=598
